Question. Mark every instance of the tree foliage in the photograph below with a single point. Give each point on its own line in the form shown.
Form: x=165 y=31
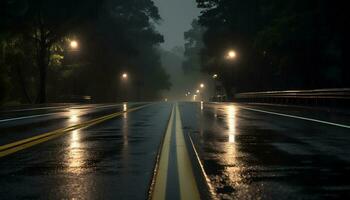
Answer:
x=280 y=44
x=193 y=47
x=113 y=36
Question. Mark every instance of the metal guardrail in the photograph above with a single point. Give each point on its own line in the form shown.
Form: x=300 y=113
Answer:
x=327 y=97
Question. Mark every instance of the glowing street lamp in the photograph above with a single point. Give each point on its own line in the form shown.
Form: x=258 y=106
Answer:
x=74 y=44
x=215 y=76
x=202 y=85
x=124 y=76
x=197 y=91
x=231 y=54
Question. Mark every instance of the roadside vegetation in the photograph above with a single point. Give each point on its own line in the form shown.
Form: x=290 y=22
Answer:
x=53 y=50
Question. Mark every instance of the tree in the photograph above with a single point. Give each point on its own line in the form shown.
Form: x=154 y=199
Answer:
x=123 y=39
x=193 y=47
x=44 y=23
x=281 y=45
x=113 y=36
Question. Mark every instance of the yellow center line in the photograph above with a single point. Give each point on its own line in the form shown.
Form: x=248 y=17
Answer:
x=187 y=181
x=159 y=192
x=29 y=142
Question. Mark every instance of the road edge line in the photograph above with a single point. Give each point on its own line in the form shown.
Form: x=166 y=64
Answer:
x=295 y=117
x=208 y=185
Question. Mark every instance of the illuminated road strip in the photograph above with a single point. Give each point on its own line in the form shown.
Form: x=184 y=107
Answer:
x=296 y=117
x=55 y=113
x=159 y=191
x=26 y=117
x=188 y=185
x=29 y=142
x=40 y=108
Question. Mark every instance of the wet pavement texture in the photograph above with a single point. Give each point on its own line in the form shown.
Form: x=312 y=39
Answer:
x=246 y=154
x=20 y=124
x=112 y=160
x=253 y=155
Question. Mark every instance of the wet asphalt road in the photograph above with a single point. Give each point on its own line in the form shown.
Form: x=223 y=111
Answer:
x=256 y=155
x=247 y=151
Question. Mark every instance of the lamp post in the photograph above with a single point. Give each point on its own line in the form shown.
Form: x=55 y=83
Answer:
x=216 y=86
x=73 y=46
x=231 y=55
x=124 y=78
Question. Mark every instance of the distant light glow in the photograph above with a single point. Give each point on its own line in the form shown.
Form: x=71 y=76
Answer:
x=166 y=99
x=202 y=105
x=194 y=97
x=202 y=85
x=231 y=54
x=74 y=44
x=215 y=76
x=125 y=107
x=124 y=76
x=197 y=91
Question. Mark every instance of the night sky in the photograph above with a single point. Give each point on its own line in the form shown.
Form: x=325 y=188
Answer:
x=177 y=16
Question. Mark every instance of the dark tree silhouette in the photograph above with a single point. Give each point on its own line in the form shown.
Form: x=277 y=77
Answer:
x=280 y=44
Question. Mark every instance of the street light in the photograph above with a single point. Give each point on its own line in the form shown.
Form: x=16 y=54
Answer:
x=197 y=91
x=231 y=54
x=74 y=44
x=201 y=85
x=215 y=76
x=124 y=76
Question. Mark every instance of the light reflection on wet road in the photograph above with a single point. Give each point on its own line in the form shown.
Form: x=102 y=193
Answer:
x=245 y=154
x=250 y=155
x=112 y=160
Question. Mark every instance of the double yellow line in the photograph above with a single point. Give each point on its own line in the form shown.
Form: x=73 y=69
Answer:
x=29 y=142
x=187 y=182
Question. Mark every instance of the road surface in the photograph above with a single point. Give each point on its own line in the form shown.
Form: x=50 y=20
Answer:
x=183 y=150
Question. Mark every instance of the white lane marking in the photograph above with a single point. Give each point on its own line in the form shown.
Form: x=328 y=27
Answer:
x=31 y=109
x=26 y=117
x=54 y=113
x=208 y=181
x=296 y=117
